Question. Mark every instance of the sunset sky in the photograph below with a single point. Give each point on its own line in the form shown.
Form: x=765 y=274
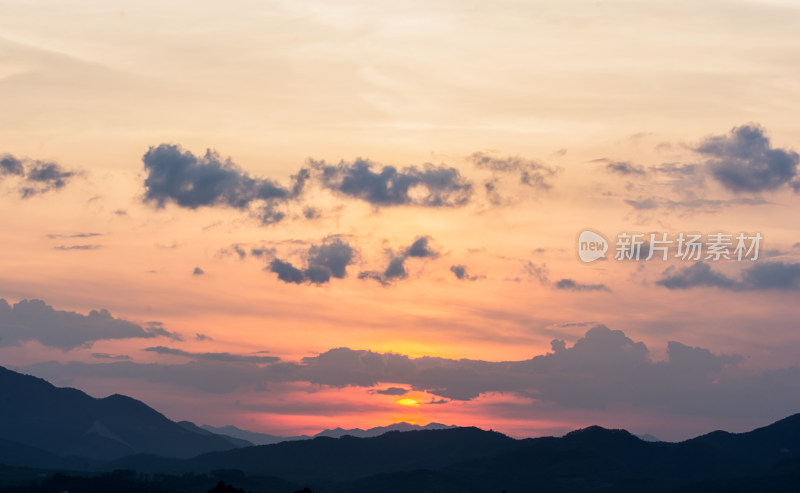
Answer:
x=290 y=215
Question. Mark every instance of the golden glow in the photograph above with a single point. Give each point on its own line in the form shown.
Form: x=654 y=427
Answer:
x=408 y=402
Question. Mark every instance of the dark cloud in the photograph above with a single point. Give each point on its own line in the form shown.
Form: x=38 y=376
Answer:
x=697 y=274
x=116 y=357
x=323 y=262
x=226 y=357
x=744 y=161
x=426 y=186
x=531 y=173
x=392 y=391
x=572 y=285
x=202 y=337
x=33 y=320
x=421 y=247
x=37 y=176
x=625 y=168
x=9 y=165
x=461 y=273
x=286 y=271
x=604 y=369
x=772 y=275
x=782 y=276
x=178 y=176
x=77 y=247
x=198 y=271
x=54 y=236
x=643 y=204
x=45 y=176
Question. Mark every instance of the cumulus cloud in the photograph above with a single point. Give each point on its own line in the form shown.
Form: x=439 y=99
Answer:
x=745 y=161
x=34 y=320
x=603 y=369
x=227 y=357
x=178 y=176
x=782 y=276
x=36 y=177
x=381 y=186
x=327 y=260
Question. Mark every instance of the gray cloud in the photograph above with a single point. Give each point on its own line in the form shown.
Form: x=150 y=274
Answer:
x=426 y=186
x=77 y=247
x=33 y=320
x=10 y=165
x=37 y=176
x=744 y=161
x=178 y=176
x=420 y=248
x=45 y=176
x=531 y=173
x=603 y=369
x=625 y=168
x=324 y=261
x=227 y=357
x=116 y=357
x=572 y=285
x=198 y=271
x=54 y=236
x=392 y=391
x=782 y=276
x=460 y=271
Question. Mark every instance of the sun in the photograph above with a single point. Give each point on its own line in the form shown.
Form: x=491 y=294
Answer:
x=408 y=403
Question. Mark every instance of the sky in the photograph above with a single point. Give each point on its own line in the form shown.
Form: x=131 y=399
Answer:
x=292 y=216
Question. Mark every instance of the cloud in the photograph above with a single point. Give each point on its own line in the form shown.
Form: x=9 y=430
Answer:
x=625 y=168
x=178 y=176
x=226 y=357
x=45 y=176
x=198 y=271
x=420 y=248
x=202 y=337
x=745 y=162
x=384 y=186
x=572 y=285
x=37 y=177
x=392 y=391
x=117 y=357
x=54 y=236
x=604 y=369
x=10 y=165
x=460 y=271
x=33 y=320
x=77 y=247
x=530 y=172
x=781 y=276
x=322 y=262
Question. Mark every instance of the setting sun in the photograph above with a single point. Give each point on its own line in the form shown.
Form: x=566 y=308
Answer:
x=408 y=402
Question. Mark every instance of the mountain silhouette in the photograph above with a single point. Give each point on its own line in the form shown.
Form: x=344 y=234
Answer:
x=255 y=438
x=120 y=444
x=68 y=422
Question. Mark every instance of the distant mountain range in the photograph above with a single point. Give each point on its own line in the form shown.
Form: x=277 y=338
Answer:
x=120 y=444
x=266 y=439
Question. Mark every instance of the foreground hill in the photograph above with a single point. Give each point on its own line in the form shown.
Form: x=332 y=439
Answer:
x=43 y=419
